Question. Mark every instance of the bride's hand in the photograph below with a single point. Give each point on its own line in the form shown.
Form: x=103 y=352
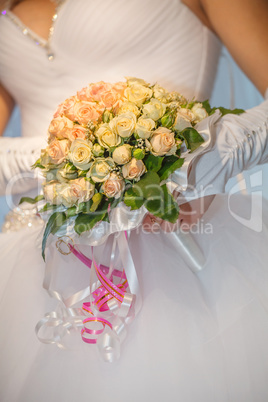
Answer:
x=190 y=213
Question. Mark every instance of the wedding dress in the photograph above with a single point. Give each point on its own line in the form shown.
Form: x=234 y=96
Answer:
x=198 y=336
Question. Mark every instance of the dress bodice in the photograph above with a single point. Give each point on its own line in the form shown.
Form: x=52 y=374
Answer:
x=158 y=40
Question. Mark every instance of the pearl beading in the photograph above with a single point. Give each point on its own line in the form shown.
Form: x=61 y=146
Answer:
x=46 y=44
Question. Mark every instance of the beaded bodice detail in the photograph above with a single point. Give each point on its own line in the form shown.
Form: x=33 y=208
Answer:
x=158 y=40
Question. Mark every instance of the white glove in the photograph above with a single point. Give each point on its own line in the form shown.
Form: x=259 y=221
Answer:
x=17 y=155
x=239 y=142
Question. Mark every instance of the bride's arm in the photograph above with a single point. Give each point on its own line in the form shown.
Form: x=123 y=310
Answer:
x=17 y=155
x=6 y=108
x=242 y=27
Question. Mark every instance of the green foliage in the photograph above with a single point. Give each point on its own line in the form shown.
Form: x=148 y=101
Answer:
x=210 y=110
x=153 y=163
x=55 y=222
x=31 y=200
x=192 y=138
x=171 y=164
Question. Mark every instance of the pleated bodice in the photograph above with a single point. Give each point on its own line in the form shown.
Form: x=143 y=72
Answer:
x=158 y=40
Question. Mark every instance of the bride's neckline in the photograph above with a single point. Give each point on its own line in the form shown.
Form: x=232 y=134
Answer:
x=37 y=39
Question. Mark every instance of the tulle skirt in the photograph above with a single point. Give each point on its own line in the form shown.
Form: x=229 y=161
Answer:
x=198 y=337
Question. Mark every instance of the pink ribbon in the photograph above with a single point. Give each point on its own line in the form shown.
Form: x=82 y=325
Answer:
x=102 y=295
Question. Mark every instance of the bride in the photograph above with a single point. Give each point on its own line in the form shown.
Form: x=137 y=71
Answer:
x=198 y=336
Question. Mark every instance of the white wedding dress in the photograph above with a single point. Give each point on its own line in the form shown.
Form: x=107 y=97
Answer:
x=198 y=337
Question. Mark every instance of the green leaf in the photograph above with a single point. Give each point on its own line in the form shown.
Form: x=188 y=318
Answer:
x=171 y=163
x=84 y=206
x=132 y=199
x=96 y=200
x=225 y=111
x=32 y=200
x=164 y=206
x=47 y=207
x=146 y=183
x=192 y=138
x=38 y=164
x=54 y=223
x=72 y=211
x=153 y=163
x=210 y=110
x=85 y=222
x=138 y=153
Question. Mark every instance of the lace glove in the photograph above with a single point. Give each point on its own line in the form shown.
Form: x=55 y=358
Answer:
x=17 y=157
x=238 y=142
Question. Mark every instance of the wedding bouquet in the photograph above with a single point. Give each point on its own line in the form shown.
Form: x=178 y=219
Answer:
x=111 y=144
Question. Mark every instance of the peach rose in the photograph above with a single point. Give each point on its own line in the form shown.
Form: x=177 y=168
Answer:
x=68 y=106
x=134 y=169
x=93 y=92
x=85 y=112
x=162 y=142
x=58 y=150
x=59 y=127
x=114 y=186
x=76 y=191
x=77 y=132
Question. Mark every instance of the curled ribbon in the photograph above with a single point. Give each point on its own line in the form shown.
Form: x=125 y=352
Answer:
x=114 y=301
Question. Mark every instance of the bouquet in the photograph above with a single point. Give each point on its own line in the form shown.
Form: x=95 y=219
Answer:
x=111 y=144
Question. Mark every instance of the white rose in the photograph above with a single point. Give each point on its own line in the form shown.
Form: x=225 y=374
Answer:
x=199 y=111
x=144 y=127
x=107 y=137
x=100 y=169
x=162 y=142
x=122 y=155
x=134 y=169
x=114 y=186
x=81 y=153
x=138 y=94
x=183 y=119
x=124 y=125
x=154 y=109
x=129 y=107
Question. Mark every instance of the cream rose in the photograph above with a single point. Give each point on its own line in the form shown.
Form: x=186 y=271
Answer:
x=124 y=125
x=138 y=94
x=107 y=137
x=85 y=112
x=97 y=150
x=114 y=186
x=154 y=109
x=161 y=94
x=129 y=107
x=144 y=127
x=136 y=81
x=52 y=193
x=122 y=155
x=58 y=150
x=76 y=191
x=184 y=119
x=60 y=127
x=134 y=169
x=162 y=142
x=100 y=169
x=200 y=112
x=81 y=153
